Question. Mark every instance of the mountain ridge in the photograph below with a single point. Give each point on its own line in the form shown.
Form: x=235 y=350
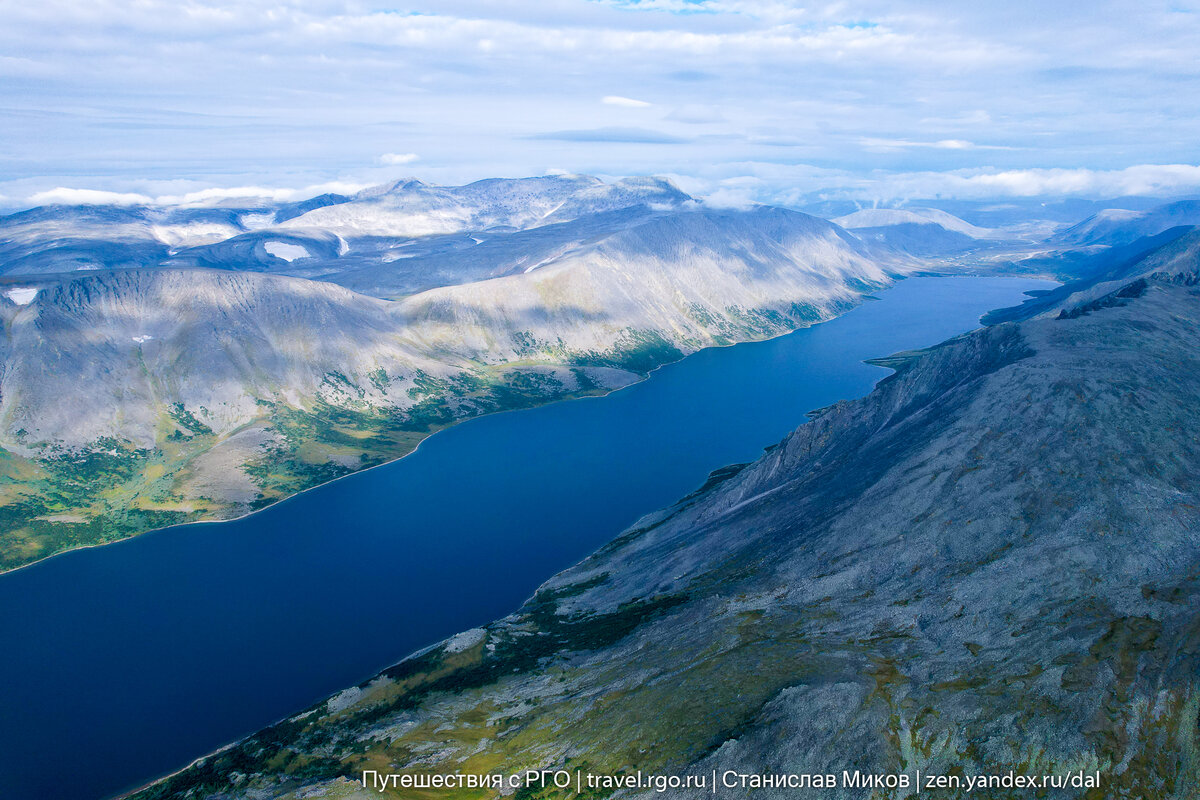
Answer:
x=1122 y=226
x=1002 y=534
x=214 y=392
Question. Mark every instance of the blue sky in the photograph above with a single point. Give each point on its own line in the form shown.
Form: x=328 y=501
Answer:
x=737 y=99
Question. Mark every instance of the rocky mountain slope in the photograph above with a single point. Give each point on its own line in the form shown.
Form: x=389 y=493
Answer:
x=412 y=208
x=1119 y=226
x=883 y=217
x=918 y=231
x=135 y=398
x=1001 y=538
x=389 y=240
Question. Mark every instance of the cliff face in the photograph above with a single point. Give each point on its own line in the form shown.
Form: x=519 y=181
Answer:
x=989 y=563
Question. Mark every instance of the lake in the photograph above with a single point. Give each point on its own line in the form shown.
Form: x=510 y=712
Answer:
x=125 y=662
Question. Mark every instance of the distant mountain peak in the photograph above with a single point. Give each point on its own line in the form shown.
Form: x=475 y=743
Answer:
x=397 y=186
x=1118 y=226
x=883 y=217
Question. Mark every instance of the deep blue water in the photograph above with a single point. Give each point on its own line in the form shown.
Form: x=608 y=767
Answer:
x=121 y=663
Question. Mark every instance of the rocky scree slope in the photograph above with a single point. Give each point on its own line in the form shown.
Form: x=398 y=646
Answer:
x=989 y=563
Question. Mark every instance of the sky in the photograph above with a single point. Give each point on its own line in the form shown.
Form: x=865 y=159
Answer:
x=737 y=100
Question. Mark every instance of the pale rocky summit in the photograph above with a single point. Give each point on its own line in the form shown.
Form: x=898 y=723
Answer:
x=412 y=208
x=920 y=232
x=1118 y=226
x=883 y=217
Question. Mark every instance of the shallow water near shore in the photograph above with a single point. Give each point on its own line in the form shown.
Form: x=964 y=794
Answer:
x=125 y=662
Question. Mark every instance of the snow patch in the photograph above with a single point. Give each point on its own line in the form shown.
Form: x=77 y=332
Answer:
x=288 y=252
x=254 y=221
x=22 y=296
x=344 y=699
x=192 y=234
x=465 y=640
x=143 y=338
x=348 y=697
x=884 y=217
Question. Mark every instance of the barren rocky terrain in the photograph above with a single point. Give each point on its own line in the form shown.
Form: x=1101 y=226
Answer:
x=987 y=565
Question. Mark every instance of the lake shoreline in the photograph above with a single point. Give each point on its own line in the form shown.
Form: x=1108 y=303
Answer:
x=566 y=397
x=495 y=556
x=426 y=648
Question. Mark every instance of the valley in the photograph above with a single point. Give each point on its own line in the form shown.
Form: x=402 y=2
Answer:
x=233 y=625
x=235 y=356
x=1000 y=537
x=220 y=388
x=239 y=361
x=599 y=400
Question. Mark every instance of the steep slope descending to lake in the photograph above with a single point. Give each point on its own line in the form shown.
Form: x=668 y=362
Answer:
x=1112 y=264
x=688 y=280
x=1079 y=268
x=988 y=564
x=139 y=398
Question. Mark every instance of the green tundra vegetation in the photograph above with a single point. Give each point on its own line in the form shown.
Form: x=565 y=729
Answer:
x=54 y=499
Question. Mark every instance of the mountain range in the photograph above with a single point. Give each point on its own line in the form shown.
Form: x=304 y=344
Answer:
x=163 y=365
x=987 y=566
x=1119 y=226
x=919 y=231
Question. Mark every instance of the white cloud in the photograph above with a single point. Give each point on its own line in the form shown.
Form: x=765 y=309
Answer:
x=624 y=102
x=1143 y=179
x=218 y=195
x=796 y=184
x=730 y=197
x=1146 y=180
x=395 y=159
x=63 y=195
x=696 y=114
x=118 y=95
x=888 y=145
x=201 y=197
